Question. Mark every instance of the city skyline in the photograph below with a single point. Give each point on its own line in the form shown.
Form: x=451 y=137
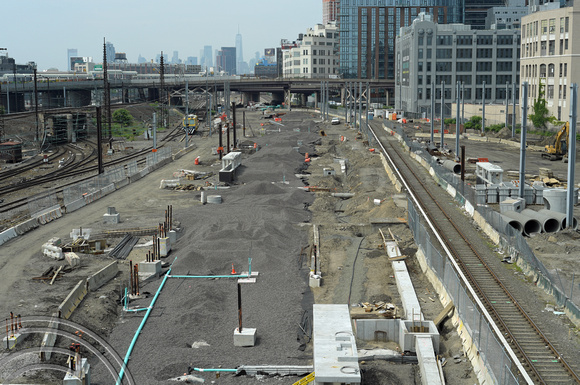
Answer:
x=128 y=26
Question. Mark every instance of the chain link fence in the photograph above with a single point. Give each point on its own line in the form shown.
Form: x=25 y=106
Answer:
x=511 y=240
x=41 y=202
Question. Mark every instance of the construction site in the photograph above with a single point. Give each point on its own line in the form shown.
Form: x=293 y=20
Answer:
x=292 y=257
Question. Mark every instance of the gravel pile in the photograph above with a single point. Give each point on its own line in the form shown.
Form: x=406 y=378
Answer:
x=260 y=218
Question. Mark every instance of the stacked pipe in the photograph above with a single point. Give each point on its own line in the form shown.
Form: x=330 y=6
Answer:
x=526 y=225
x=549 y=224
x=560 y=217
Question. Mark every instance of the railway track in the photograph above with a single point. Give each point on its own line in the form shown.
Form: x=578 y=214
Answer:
x=538 y=355
x=78 y=170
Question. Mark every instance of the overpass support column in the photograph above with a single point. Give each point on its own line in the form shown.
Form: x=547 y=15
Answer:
x=152 y=94
x=303 y=100
x=288 y=99
x=79 y=98
x=277 y=97
x=248 y=97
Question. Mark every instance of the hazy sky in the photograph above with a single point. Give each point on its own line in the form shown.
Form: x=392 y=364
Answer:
x=42 y=30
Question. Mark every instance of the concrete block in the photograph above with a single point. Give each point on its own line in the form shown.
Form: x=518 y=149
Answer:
x=172 y=236
x=407 y=291
x=72 y=258
x=81 y=376
x=52 y=251
x=111 y=210
x=164 y=246
x=150 y=268
x=327 y=171
x=247 y=337
x=314 y=280
x=11 y=341
x=80 y=233
x=112 y=218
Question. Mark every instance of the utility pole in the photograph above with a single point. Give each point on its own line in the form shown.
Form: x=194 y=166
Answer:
x=107 y=91
x=162 y=91
x=571 y=156
x=513 y=110
x=186 y=114
x=432 y=112
x=507 y=103
x=483 y=110
x=36 y=105
x=457 y=124
x=523 y=139
x=442 y=115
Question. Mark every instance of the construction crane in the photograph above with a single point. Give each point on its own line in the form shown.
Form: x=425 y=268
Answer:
x=558 y=150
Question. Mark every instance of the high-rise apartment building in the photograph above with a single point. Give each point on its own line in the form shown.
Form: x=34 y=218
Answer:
x=110 y=50
x=330 y=10
x=368 y=29
x=476 y=12
x=550 y=56
x=226 y=60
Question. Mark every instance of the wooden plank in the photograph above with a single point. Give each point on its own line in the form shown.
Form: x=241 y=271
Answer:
x=443 y=315
x=55 y=275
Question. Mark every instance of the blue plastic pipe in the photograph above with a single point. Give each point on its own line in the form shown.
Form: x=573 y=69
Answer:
x=130 y=350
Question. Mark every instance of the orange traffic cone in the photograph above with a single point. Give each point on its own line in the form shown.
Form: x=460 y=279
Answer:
x=233 y=270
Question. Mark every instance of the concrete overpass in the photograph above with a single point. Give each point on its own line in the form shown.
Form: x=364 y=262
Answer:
x=70 y=92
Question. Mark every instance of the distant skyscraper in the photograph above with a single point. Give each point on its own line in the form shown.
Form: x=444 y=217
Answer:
x=207 y=56
x=226 y=60
x=175 y=58
x=71 y=52
x=141 y=59
x=110 y=49
x=330 y=10
x=239 y=54
x=191 y=60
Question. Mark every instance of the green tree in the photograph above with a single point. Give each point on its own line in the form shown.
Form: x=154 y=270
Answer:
x=540 y=115
x=123 y=117
x=2 y=110
x=474 y=123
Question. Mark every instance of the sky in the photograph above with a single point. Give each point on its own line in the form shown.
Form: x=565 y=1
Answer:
x=42 y=30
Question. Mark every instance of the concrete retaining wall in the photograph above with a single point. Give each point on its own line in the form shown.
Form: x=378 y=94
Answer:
x=103 y=276
x=108 y=189
x=365 y=329
x=184 y=151
x=122 y=183
x=73 y=299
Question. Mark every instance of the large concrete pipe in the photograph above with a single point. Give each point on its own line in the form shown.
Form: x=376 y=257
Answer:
x=513 y=223
x=560 y=217
x=530 y=225
x=555 y=199
x=452 y=166
x=549 y=224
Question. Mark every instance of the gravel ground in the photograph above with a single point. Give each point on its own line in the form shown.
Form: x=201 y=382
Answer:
x=265 y=215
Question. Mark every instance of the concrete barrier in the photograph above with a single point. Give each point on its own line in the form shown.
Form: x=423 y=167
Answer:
x=73 y=299
x=75 y=205
x=184 y=151
x=91 y=197
x=122 y=183
x=108 y=189
x=145 y=171
x=103 y=276
x=48 y=340
x=7 y=235
x=26 y=226
x=134 y=178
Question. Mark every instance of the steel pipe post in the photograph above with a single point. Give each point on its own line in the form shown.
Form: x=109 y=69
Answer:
x=572 y=154
x=523 y=139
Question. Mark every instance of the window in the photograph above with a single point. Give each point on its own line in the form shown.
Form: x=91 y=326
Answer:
x=560 y=73
x=445 y=66
x=504 y=53
x=561 y=25
x=464 y=53
x=566 y=44
x=428 y=53
x=313 y=52
x=551 y=70
x=464 y=79
x=313 y=61
x=503 y=79
x=484 y=52
x=444 y=53
x=505 y=40
x=420 y=40
x=552 y=48
x=565 y=69
x=542 y=70
x=550 y=91
x=443 y=78
x=479 y=79
x=544 y=27
x=543 y=48
x=503 y=66
x=420 y=94
x=464 y=40
x=428 y=66
x=419 y=79
x=463 y=66
x=561 y=46
x=420 y=53
x=484 y=40
x=445 y=40
x=552 y=26
x=484 y=66
x=566 y=24
x=420 y=66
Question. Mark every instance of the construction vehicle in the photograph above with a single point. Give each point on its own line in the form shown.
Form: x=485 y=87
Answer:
x=558 y=150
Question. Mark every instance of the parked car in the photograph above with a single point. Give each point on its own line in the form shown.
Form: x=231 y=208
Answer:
x=335 y=121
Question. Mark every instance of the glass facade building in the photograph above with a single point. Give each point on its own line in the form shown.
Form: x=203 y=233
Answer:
x=368 y=29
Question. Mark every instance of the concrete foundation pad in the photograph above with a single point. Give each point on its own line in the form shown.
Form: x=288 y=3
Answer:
x=246 y=338
x=164 y=247
x=112 y=218
x=246 y=280
x=12 y=341
x=314 y=280
x=150 y=268
x=172 y=236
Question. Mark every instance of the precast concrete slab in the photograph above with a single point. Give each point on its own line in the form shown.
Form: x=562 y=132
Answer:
x=335 y=352
x=427 y=361
x=407 y=291
x=112 y=218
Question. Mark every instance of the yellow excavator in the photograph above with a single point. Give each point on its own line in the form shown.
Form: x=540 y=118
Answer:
x=558 y=150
